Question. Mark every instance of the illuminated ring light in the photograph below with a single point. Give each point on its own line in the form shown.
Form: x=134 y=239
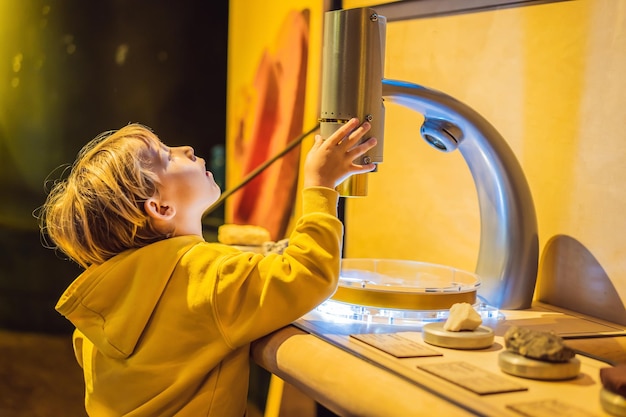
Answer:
x=399 y=300
x=404 y=285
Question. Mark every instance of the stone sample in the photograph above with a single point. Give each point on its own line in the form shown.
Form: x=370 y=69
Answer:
x=534 y=344
x=462 y=317
x=614 y=379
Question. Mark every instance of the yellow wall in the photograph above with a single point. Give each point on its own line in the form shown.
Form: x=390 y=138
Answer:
x=548 y=77
x=253 y=26
x=551 y=79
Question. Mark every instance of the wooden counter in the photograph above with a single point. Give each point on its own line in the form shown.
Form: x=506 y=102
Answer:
x=342 y=382
x=352 y=378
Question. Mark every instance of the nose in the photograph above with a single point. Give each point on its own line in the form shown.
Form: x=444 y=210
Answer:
x=189 y=152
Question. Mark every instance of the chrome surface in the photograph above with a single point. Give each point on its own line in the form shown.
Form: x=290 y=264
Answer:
x=613 y=403
x=353 y=67
x=352 y=71
x=509 y=246
x=524 y=367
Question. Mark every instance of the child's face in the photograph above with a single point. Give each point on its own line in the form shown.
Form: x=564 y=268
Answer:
x=184 y=180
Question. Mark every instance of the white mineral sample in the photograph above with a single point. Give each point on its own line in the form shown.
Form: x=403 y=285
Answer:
x=462 y=317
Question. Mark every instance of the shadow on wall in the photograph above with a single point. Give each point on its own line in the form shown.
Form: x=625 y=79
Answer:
x=572 y=278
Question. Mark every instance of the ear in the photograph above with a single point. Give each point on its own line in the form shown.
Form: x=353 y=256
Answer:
x=158 y=210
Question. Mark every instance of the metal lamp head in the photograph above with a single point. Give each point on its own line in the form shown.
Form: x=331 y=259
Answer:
x=352 y=74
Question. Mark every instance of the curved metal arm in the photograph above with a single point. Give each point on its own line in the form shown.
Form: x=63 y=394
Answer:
x=509 y=249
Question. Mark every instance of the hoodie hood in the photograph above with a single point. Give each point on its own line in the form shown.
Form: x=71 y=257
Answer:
x=112 y=303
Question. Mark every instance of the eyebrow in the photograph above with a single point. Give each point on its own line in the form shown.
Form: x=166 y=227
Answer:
x=164 y=149
x=156 y=149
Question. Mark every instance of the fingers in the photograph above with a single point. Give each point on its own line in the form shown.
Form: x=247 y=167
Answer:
x=357 y=134
x=361 y=149
x=346 y=139
x=344 y=131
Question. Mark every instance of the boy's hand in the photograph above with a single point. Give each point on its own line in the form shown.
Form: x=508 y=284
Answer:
x=331 y=161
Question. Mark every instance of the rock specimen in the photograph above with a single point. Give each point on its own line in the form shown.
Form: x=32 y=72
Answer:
x=462 y=317
x=534 y=344
x=614 y=379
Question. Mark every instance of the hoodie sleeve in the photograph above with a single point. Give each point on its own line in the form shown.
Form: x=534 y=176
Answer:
x=258 y=294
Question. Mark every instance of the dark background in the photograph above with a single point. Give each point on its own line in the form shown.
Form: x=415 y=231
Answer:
x=70 y=69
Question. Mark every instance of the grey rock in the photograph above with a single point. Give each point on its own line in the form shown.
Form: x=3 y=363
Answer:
x=534 y=344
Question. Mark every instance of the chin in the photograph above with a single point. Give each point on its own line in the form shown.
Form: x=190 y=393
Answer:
x=211 y=202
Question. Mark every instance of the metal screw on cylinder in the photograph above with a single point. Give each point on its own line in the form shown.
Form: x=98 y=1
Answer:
x=369 y=117
x=367 y=159
x=374 y=17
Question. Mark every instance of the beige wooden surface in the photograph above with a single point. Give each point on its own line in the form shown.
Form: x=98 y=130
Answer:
x=355 y=379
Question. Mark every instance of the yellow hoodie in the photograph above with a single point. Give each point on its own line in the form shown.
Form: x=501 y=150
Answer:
x=165 y=330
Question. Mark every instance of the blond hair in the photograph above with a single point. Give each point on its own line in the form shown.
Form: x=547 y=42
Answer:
x=98 y=211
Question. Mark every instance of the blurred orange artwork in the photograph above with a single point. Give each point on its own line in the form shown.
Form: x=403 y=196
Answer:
x=275 y=118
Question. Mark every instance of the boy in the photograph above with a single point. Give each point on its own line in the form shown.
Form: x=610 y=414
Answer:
x=163 y=319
